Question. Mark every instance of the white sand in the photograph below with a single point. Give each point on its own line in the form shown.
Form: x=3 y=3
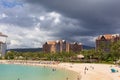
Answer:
x=100 y=71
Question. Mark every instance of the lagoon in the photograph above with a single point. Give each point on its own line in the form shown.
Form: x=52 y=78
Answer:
x=23 y=72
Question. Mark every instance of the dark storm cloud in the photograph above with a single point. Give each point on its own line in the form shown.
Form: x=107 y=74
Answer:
x=97 y=16
x=38 y=21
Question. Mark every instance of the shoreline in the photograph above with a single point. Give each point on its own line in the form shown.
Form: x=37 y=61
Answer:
x=85 y=71
x=50 y=64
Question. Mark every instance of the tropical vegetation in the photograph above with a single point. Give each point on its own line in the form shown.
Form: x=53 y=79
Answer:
x=91 y=55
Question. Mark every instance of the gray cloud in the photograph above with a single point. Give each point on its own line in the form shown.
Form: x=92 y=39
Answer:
x=92 y=17
x=19 y=21
x=36 y=21
x=96 y=15
x=21 y=16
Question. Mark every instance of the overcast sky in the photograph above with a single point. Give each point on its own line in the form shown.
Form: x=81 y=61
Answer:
x=30 y=23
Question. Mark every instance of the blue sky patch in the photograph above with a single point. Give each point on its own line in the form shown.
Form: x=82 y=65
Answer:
x=10 y=3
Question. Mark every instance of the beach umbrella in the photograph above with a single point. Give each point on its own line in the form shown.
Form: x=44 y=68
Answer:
x=80 y=56
x=118 y=61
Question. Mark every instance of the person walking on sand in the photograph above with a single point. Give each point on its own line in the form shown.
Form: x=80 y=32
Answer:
x=85 y=70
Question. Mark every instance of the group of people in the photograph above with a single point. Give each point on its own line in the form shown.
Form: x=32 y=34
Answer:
x=86 y=69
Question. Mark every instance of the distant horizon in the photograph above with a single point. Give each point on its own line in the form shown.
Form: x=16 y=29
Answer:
x=42 y=47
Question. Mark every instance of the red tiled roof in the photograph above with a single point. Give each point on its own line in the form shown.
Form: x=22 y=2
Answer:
x=107 y=36
x=51 y=42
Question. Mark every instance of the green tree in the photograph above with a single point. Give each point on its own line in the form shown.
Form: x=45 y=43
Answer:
x=10 y=55
x=115 y=50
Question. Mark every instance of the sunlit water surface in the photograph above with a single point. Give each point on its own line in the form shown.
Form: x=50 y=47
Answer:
x=21 y=72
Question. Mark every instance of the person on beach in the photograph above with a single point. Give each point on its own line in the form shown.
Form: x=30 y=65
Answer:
x=78 y=78
x=85 y=70
x=67 y=78
x=92 y=67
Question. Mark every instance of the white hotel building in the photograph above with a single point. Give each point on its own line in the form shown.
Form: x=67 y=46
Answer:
x=3 y=45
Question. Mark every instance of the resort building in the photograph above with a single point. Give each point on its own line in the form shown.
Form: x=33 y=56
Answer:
x=49 y=47
x=104 y=41
x=75 y=47
x=61 y=46
x=3 y=45
x=56 y=46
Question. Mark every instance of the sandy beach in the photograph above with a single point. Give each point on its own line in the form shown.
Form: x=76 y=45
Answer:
x=94 y=72
x=86 y=71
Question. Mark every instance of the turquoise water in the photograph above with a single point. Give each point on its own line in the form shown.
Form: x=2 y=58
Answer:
x=21 y=72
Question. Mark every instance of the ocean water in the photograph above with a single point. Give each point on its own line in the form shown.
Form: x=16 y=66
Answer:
x=21 y=72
